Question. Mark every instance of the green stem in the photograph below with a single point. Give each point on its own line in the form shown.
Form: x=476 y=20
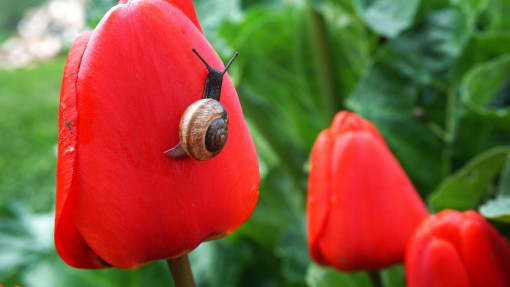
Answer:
x=323 y=61
x=375 y=278
x=450 y=130
x=181 y=271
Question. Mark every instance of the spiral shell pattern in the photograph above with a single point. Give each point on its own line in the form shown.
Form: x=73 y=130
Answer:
x=203 y=129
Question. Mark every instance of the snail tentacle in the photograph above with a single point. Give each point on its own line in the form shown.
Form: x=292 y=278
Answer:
x=176 y=152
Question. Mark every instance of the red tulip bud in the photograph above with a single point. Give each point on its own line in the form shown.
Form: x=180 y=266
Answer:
x=456 y=248
x=362 y=208
x=120 y=201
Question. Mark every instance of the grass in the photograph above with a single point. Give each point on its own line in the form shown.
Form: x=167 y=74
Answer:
x=29 y=100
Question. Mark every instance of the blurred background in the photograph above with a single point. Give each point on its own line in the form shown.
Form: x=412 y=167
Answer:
x=432 y=75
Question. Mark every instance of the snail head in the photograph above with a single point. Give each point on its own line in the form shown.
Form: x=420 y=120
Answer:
x=212 y=88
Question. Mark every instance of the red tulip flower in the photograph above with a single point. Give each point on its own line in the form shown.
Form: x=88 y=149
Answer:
x=362 y=209
x=120 y=201
x=456 y=248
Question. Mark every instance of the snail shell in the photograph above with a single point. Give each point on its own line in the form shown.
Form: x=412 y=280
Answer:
x=203 y=130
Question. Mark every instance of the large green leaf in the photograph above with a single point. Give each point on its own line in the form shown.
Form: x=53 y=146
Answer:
x=425 y=52
x=293 y=251
x=387 y=17
x=495 y=18
x=465 y=189
x=486 y=90
x=481 y=48
x=491 y=127
x=471 y=8
x=350 y=43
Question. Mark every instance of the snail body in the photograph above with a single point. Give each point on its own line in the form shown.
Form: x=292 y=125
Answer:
x=203 y=129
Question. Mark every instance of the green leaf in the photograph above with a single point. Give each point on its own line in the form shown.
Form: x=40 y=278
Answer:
x=279 y=204
x=481 y=48
x=425 y=52
x=212 y=14
x=495 y=18
x=465 y=189
x=471 y=8
x=350 y=42
x=485 y=89
x=387 y=17
x=218 y=263
x=318 y=276
x=393 y=276
x=499 y=208
x=293 y=251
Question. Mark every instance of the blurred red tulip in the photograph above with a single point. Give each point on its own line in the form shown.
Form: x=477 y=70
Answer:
x=362 y=209
x=120 y=200
x=456 y=248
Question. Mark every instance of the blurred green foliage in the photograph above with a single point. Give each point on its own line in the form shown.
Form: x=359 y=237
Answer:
x=11 y=12
x=28 y=134
x=433 y=76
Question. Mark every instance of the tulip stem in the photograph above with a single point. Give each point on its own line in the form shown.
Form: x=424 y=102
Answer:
x=326 y=73
x=181 y=271
x=375 y=278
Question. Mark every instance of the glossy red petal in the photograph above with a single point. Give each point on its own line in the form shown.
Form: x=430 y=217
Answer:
x=363 y=192
x=486 y=254
x=319 y=192
x=186 y=6
x=349 y=122
x=434 y=262
x=132 y=204
x=477 y=248
x=68 y=241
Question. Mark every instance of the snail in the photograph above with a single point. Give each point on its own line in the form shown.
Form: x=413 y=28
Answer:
x=203 y=129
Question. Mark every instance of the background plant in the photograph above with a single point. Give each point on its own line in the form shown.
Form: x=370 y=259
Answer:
x=433 y=76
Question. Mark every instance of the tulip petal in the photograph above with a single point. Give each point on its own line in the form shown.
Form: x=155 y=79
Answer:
x=357 y=194
x=68 y=241
x=319 y=192
x=485 y=253
x=446 y=225
x=132 y=204
x=347 y=122
x=435 y=263
x=460 y=240
x=186 y=6
x=369 y=185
